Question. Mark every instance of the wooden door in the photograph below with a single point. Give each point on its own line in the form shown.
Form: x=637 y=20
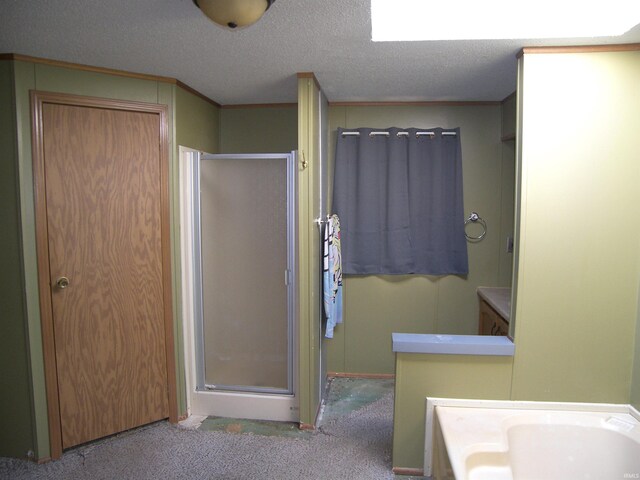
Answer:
x=102 y=200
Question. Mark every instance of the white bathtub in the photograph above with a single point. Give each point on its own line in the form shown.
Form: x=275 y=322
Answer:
x=483 y=440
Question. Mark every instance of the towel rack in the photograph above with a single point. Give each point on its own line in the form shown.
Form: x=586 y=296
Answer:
x=321 y=220
x=475 y=218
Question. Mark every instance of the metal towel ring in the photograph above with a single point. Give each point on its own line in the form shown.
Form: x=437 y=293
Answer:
x=475 y=218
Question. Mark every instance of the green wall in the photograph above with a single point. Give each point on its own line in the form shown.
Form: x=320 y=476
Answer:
x=507 y=193
x=445 y=376
x=578 y=260
x=196 y=117
x=16 y=417
x=197 y=122
x=197 y=126
x=577 y=264
x=376 y=306
x=259 y=129
x=57 y=79
x=310 y=383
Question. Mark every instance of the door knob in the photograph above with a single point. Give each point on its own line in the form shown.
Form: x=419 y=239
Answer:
x=62 y=283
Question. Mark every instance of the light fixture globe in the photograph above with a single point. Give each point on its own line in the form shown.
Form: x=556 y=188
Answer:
x=234 y=13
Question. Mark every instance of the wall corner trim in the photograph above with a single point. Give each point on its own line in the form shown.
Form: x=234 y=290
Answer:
x=508 y=97
x=420 y=103
x=239 y=106
x=618 y=47
x=312 y=76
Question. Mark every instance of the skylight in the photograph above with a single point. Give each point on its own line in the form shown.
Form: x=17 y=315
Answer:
x=414 y=20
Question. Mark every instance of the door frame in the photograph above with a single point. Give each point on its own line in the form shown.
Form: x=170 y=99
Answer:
x=234 y=404
x=38 y=99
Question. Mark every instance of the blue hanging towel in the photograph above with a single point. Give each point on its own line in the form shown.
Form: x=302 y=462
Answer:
x=332 y=275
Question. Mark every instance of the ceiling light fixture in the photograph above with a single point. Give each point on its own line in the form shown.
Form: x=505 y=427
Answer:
x=234 y=13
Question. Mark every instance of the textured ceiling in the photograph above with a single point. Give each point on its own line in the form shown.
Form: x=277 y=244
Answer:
x=259 y=64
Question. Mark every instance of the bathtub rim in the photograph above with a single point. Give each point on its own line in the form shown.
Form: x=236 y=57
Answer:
x=433 y=402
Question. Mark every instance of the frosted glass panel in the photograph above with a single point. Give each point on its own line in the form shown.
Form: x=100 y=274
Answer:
x=243 y=212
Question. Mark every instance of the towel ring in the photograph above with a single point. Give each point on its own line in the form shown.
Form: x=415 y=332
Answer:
x=475 y=218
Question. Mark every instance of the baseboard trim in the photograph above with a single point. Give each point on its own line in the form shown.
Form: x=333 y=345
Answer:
x=413 y=472
x=380 y=376
x=42 y=460
x=306 y=426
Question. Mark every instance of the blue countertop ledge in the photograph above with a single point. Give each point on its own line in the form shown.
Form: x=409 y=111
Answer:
x=452 y=344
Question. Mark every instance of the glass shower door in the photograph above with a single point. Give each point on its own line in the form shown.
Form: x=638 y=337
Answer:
x=245 y=239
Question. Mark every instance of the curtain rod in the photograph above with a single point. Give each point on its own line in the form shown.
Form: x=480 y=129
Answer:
x=399 y=134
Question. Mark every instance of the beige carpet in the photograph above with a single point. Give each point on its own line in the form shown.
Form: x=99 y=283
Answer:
x=354 y=446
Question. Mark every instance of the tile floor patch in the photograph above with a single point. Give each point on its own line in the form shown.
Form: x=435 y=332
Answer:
x=255 y=427
x=348 y=394
x=344 y=395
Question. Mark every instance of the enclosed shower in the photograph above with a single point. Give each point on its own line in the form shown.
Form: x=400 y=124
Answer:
x=238 y=242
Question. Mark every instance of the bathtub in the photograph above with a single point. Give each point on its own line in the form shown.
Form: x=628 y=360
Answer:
x=496 y=440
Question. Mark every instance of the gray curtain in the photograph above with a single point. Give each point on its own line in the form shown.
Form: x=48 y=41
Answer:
x=399 y=199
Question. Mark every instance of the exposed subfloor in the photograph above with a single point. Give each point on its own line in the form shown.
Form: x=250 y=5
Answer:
x=344 y=395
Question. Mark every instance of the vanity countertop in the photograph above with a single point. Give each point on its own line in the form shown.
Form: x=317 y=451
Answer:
x=452 y=344
x=499 y=298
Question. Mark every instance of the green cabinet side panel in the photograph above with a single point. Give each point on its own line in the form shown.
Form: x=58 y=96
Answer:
x=376 y=306
x=446 y=376
x=16 y=416
x=259 y=129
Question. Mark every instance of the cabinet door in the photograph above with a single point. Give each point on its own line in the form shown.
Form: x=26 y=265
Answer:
x=490 y=322
x=499 y=326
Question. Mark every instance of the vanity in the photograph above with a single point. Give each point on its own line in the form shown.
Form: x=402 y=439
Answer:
x=494 y=310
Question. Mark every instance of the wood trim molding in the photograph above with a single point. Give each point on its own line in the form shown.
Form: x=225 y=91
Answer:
x=312 y=76
x=240 y=106
x=87 y=68
x=38 y=99
x=107 y=71
x=373 y=376
x=42 y=249
x=167 y=280
x=193 y=91
x=435 y=103
x=619 y=47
